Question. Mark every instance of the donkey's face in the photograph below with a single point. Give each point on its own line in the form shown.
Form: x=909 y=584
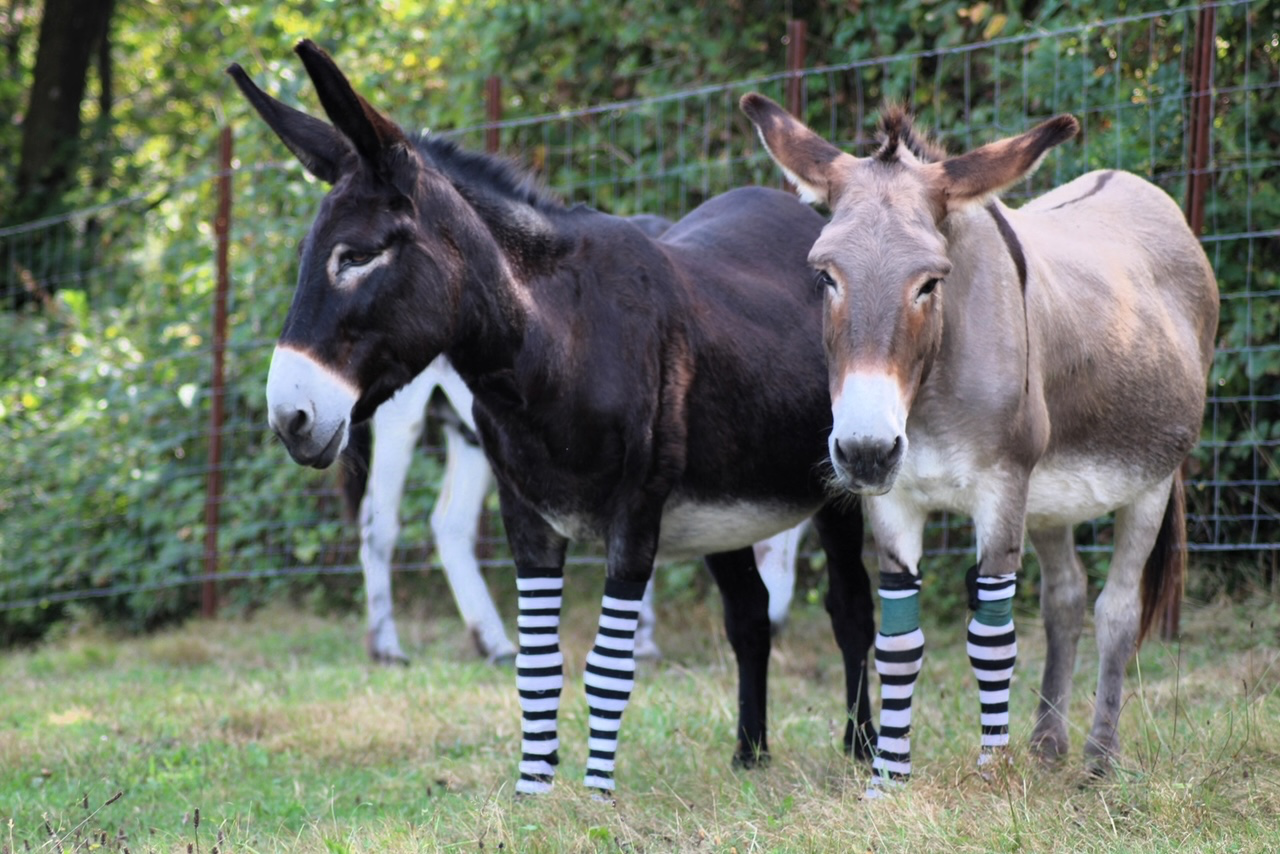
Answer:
x=378 y=286
x=883 y=258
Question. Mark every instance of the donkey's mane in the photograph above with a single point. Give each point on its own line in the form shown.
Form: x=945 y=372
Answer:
x=897 y=128
x=495 y=174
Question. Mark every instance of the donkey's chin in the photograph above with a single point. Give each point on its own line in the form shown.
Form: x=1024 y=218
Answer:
x=310 y=453
x=844 y=481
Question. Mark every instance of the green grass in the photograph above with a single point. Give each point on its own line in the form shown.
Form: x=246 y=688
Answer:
x=282 y=736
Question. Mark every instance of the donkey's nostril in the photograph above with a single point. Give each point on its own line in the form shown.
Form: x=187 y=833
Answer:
x=842 y=458
x=299 y=423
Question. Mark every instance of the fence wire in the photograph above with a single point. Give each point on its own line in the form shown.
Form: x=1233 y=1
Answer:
x=88 y=367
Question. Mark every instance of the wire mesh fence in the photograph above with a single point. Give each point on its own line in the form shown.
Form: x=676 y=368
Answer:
x=105 y=389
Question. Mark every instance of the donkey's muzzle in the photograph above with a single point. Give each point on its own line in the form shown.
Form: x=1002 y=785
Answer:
x=307 y=446
x=308 y=407
x=867 y=466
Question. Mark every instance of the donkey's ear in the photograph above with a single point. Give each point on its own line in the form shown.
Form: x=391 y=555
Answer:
x=319 y=147
x=372 y=133
x=806 y=158
x=984 y=171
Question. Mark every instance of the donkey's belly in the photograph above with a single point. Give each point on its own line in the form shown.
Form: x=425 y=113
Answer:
x=1064 y=490
x=692 y=529
x=1068 y=491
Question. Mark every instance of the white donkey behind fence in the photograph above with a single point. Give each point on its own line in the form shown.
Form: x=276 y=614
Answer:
x=455 y=522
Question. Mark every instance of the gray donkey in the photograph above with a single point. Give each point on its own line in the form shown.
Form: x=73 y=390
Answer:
x=1031 y=368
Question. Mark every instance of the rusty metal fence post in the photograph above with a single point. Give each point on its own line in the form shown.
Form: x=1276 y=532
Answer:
x=1200 y=118
x=797 y=31
x=1197 y=185
x=213 y=483
x=493 y=110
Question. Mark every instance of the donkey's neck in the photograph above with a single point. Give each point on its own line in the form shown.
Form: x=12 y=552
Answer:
x=521 y=219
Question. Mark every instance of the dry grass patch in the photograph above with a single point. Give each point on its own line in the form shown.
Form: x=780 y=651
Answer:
x=284 y=736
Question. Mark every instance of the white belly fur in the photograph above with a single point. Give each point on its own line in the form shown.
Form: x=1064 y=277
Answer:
x=1062 y=491
x=1071 y=491
x=691 y=530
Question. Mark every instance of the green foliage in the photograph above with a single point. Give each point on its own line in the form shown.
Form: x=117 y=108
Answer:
x=105 y=393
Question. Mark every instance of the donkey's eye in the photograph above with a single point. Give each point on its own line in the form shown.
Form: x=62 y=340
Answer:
x=928 y=288
x=354 y=258
x=823 y=279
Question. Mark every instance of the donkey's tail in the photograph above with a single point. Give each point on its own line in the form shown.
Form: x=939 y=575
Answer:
x=353 y=474
x=1165 y=572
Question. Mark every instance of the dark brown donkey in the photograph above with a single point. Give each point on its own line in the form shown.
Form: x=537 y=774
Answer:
x=667 y=397
x=1031 y=368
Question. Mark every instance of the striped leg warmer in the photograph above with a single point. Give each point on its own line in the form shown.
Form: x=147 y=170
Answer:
x=610 y=675
x=899 y=655
x=539 y=675
x=993 y=649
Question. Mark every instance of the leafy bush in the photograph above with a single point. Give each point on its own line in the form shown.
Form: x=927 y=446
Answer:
x=105 y=394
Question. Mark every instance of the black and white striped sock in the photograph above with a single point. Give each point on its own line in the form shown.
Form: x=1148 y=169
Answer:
x=539 y=675
x=610 y=675
x=899 y=656
x=993 y=650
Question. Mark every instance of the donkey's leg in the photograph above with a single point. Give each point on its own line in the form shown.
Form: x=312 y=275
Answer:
x=999 y=523
x=746 y=622
x=776 y=562
x=646 y=647
x=1117 y=614
x=455 y=522
x=848 y=601
x=899 y=531
x=397 y=424
x=610 y=676
x=539 y=557
x=1062 y=601
x=993 y=651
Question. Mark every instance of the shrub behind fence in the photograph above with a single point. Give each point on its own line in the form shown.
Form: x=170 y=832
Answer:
x=105 y=385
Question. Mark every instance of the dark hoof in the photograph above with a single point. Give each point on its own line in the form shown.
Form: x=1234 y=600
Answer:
x=1100 y=760
x=860 y=742
x=751 y=758
x=390 y=655
x=1049 y=750
x=1099 y=767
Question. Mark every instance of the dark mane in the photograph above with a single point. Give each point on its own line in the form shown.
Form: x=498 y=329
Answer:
x=896 y=128
x=486 y=172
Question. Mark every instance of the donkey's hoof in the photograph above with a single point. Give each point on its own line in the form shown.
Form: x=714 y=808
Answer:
x=1100 y=759
x=883 y=787
x=1050 y=747
x=647 y=650
x=502 y=659
x=384 y=648
x=860 y=741
x=1100 y=766
x=751 y=758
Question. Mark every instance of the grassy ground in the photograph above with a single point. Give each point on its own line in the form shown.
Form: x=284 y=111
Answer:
x=283 y=739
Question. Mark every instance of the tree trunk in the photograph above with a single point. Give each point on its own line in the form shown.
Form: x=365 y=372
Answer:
x=70 y=32
x=73 y=35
